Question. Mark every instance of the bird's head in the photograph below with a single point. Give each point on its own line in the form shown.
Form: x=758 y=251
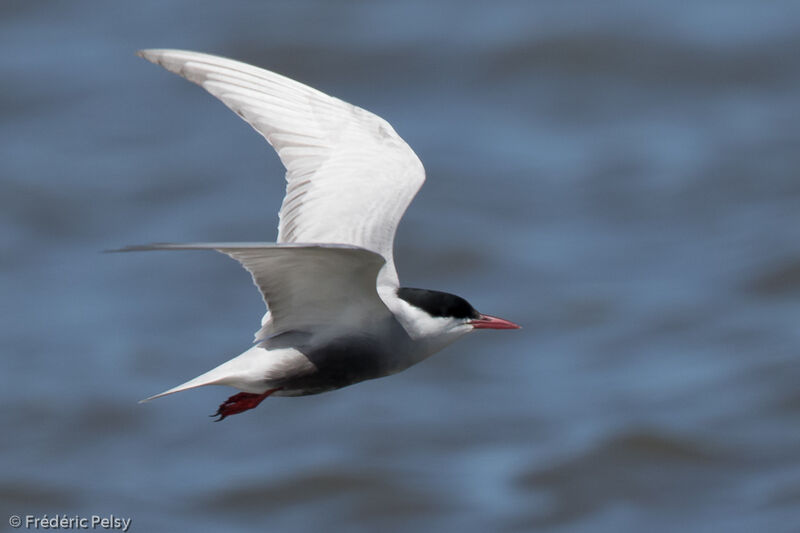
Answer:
x=444 y=314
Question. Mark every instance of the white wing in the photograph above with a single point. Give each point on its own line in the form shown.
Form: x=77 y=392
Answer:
x=349 y=176
x=306 y=287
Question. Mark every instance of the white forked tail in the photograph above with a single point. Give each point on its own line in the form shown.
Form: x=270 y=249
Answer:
x=209 y=378
x=246 y=372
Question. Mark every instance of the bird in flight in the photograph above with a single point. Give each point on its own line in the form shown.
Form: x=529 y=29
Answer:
x=336 y=313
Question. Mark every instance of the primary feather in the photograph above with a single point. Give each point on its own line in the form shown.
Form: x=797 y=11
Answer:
x=305 y=287
x=349 y=176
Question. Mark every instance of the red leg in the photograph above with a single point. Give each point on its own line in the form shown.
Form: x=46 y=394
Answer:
x=241 y=402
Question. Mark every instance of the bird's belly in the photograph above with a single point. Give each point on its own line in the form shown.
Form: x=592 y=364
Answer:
x=344 y=362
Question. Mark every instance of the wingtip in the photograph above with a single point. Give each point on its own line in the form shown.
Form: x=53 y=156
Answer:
x=133 y=248
x=171 y=59
x=150 y=54
x=156 y=56
x=141 y=247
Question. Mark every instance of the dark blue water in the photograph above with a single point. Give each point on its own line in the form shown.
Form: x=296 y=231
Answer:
x=622 y=179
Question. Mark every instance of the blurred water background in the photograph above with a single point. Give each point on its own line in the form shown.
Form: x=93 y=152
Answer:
x=621 y=178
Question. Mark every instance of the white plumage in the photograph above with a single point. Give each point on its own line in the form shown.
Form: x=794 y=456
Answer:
x=349 y=176
x=336 y=314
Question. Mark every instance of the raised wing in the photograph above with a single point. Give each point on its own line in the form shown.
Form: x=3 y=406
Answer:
x=305 y=287
x=349 y=176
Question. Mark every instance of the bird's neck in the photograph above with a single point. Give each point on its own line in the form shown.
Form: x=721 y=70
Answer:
x=428 y=334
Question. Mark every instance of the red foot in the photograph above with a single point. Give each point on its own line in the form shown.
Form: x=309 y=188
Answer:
x=240 y=402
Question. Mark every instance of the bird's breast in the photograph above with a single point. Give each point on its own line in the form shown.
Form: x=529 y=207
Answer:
x=351 y=358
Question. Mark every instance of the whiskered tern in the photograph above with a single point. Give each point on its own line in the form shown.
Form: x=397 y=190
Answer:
x=336 y=314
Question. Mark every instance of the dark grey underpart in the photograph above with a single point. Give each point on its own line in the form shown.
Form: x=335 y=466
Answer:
x=344 y=361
